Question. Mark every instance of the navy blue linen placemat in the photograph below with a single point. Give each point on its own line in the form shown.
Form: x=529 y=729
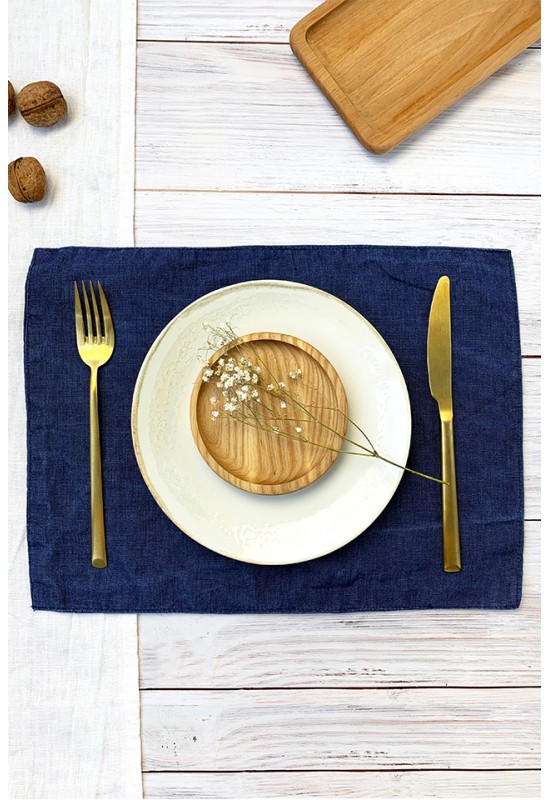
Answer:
x=397 y=563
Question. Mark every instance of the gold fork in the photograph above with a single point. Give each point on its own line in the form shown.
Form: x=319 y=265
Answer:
x=95 y=344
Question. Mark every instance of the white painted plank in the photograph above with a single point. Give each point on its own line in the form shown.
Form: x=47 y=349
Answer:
x=271 y=785
x=73 y=677
x=214 y=116
x=244 y=20
x=340 y=729
x=532 y=437
x=216 y=219
x=384 y=649
x=222 y=20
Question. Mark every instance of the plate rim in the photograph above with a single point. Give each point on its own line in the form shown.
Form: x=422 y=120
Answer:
x=139 y=385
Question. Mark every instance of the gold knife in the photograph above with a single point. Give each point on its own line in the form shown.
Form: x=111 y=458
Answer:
x=440 y=376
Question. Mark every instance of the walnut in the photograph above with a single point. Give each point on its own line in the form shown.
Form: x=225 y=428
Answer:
x=27 y=180
x=41 y=104
x=11 y=99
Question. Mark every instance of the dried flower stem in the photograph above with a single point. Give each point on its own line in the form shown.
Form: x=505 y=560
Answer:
x=245 y=381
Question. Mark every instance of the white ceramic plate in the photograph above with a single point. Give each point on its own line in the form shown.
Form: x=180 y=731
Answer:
x=290 y=528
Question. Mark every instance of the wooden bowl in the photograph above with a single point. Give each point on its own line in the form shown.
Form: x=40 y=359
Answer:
x=261 y=461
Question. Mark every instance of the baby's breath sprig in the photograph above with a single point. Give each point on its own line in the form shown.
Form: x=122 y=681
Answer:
x=245 y=389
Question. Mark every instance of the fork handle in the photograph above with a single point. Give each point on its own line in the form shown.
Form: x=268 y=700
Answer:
x=99 y=554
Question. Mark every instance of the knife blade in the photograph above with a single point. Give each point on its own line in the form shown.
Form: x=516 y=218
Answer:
x=440 y=378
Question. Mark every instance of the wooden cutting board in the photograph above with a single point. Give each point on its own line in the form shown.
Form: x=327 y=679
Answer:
x=389 y=66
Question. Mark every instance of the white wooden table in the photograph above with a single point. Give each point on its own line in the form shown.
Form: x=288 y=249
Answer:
x=235 y=145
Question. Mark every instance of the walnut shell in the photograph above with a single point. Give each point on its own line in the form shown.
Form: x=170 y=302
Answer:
x=11 y=99
x=27 y=180
x=41 y=104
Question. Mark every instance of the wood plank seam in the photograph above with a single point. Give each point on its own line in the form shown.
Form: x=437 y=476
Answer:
x=343 y=192
x=242 y=41
x=329 y=771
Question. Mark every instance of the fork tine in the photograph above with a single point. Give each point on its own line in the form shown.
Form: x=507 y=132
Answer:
x=107 y=319
x=97 y=319
x=88 y=314
x=79 y=320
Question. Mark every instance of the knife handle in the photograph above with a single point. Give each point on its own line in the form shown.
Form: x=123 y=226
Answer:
x=451 y=535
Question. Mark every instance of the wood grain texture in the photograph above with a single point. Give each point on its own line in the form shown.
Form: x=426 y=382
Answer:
x=260 y=452
x=532 y=437
x=327 y=784
x=340 y=729
x=221 y=20
x=196 y=219
x=247 y=117
x=388 y=70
